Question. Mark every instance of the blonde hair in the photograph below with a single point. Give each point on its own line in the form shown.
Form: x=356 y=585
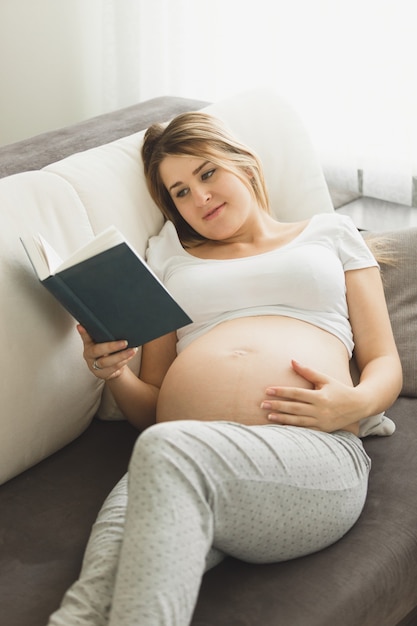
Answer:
x=383 y=248
x=199 y=135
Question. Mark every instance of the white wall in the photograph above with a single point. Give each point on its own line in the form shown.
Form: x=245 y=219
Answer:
x=50 y=65
x=348 y=66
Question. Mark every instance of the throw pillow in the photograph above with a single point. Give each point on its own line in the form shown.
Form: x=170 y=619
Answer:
x=400 y=285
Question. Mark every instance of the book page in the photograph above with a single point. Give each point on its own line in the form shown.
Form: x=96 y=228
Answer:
x=104 y=241
x=46 y=261
x=37 y=256
x=52 y=259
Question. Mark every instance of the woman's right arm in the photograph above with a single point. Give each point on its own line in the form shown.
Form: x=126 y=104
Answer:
x=135 y=396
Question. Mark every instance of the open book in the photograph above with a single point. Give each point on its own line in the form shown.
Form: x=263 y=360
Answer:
x=108 y=288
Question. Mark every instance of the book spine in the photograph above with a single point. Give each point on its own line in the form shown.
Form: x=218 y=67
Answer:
x=75 y=307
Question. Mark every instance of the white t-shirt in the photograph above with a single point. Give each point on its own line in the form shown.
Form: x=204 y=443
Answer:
x=303 y=279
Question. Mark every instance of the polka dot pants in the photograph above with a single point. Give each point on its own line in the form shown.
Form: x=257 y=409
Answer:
x=200 y=490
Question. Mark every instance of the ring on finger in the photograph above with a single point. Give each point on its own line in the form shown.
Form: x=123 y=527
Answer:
x=96 y=366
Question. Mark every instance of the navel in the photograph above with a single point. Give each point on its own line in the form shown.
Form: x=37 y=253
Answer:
x=240 y=352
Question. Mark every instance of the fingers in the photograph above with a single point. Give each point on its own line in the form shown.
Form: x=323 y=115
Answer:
x=326 y=405
x=296 y=401
x=109 y=366
x=295 y=406
x=301 y=421
x=108 y=347
x=105 y=360
x=312 y=376
x=289 y=412
x=292 y=394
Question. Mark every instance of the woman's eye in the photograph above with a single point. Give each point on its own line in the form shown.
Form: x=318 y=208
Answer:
x=182 y=193
x=208 y=174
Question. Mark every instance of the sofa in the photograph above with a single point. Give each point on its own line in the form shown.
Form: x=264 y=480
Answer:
x=64 y=444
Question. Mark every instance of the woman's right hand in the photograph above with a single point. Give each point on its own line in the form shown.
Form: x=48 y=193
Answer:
x=105 y=360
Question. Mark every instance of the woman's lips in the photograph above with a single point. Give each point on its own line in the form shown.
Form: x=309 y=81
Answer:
x=210 y=215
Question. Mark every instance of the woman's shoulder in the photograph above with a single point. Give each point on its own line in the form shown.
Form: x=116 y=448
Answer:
x=340 y=232
x=329 y=226
x=332 y=220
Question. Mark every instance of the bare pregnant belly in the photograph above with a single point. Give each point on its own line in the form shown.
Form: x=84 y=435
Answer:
x=223 y=374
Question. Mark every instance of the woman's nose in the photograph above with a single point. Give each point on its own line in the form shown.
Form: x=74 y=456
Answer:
x=201 y=196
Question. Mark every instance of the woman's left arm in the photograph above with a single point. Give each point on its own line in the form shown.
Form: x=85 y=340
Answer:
x=375 y=350
x=332 y=405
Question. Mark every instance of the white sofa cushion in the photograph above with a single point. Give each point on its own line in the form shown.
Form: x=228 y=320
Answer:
x=267 y=123
x=48 y=397
x=109 y=181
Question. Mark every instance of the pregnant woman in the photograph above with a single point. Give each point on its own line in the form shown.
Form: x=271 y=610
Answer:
x=251 y=417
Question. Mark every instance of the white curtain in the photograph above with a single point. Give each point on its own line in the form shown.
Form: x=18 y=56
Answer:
x=348 y=67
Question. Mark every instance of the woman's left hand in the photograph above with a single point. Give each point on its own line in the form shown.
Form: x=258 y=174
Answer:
x=328 y=406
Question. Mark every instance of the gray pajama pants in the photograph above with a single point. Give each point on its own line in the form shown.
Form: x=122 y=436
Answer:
x=202 y=490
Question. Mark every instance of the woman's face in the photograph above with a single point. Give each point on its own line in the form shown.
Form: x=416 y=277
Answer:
x=212 y=200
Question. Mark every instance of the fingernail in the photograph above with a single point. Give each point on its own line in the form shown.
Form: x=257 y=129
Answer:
x=266 y=405
x=272 y=417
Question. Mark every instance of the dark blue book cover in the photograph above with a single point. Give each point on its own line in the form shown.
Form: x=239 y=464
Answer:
x=115 y=295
